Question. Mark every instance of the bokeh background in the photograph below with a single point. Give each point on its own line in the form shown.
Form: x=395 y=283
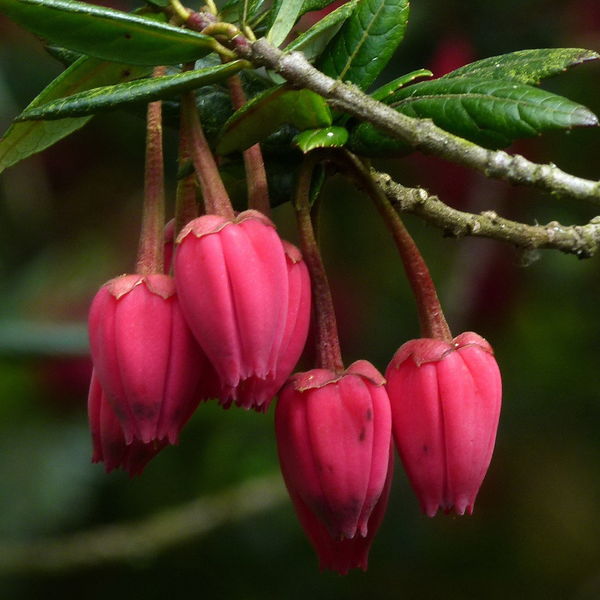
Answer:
x=69 y=219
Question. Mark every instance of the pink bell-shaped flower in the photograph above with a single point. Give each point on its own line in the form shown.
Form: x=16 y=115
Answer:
x=346 y=554
x=145 y=356
x=333 y=438
x=258 y=393
x=232 y=283
x=108 y=440
x=445 y=399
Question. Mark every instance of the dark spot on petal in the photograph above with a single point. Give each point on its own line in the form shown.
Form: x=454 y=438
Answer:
x=425 y=449
x=362 y=434
x=144 y=411
x=369 y=414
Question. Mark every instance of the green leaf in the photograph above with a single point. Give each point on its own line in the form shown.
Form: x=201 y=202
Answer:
x=327 y=137
x=366 y=140
x=268 y=111
x=489 y=112
x=62 y=55
x=525 y=66
x=24 y=139
x=286 y=15
x=310 y=5
x=314 y=41
x=233 y=10
x=106 y=33
x=366 y=42
x=115 y=96
x=393 y=86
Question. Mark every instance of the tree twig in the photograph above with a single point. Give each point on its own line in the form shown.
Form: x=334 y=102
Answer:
x=115 y=543
x=581 y=240
x=421 y=134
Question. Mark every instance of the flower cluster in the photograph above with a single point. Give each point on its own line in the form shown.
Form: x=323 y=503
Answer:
x=230 y=324
x=226 y=316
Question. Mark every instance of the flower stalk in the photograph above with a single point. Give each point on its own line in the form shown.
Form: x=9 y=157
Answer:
x=256 y=176
x=150 y=251
x=328 y=352
x=431 y=317
x=216 y=200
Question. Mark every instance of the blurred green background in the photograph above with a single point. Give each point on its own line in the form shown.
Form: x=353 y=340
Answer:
x=69 y=219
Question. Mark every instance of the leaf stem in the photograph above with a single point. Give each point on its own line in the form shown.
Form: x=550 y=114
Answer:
x=328 y=352
x=151 y=246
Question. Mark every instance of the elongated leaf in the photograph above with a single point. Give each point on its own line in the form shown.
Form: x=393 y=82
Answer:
x=268 y=111
x=328 y=137
x=393 y=86
x=492 y=113
x=115 y=96
x=106 y=33
x=314 y=41
x=24 y=139
x=233 y=10
x=366 y=140
x=62 y=55
x=286 y=16
x=310 y=5
x=366 y=42
x=526 y=66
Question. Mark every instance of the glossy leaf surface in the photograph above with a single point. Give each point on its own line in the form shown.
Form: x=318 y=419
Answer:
x=266 y=112
x=312 y=42
x=286 y=14
x=366 y=42
x=328 y=137
x=106 y=33
x=115 y=96
x=492 y=113
x=525 y=66
x=393 y=86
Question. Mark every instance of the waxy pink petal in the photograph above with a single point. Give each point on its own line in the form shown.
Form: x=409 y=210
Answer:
x=108 y=441
x=445 y=401
x=346 y=554
x=333 y=435
x=232 y=282
x=145 y=357
x=255 y=392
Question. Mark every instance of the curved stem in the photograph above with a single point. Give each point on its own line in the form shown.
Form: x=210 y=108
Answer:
x=431 y=317
x=256 y=176
x=150 y=257
x=216 y=200
x=329 y=355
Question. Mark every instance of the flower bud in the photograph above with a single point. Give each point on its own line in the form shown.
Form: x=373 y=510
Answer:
x=346 y=554
x=258 y=393
x=445 y=400
x=333 y=438
x=232 y=283
x=108 y=440
x=145 y=357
